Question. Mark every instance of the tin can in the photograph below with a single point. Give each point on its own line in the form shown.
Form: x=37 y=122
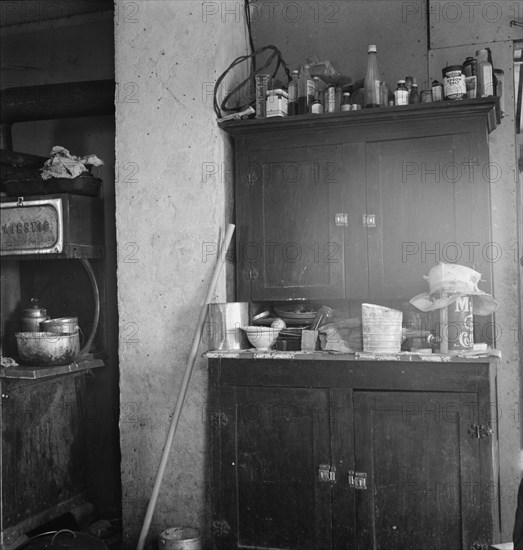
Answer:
x=460 y=328
x=330 y=100
x=437 y=91
x=277 y=103
x=470 y=66
x=454 y=82
x=262 y=85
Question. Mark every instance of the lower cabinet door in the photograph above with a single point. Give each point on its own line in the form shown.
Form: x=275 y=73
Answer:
x=271 y=443
x=424 y=485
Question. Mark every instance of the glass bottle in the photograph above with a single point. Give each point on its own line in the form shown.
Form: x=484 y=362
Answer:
x=384 y=94
x=414 y=96
x=305 y=91
x=401 y=95
x=345 y=102
x=494 y=79
x=485 y=75
x=372 y=79
x=408 y=83
x=292 y=108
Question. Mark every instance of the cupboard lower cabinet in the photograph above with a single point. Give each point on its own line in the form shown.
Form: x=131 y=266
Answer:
x=340 y=453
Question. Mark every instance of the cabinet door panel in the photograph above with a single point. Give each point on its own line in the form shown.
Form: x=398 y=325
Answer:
x=272 y=445
x=424 y=486
x=295 y=249
x=431 y=205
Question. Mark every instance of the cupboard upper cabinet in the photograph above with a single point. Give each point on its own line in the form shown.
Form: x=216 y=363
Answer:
x=361 y=204
x=290 y=246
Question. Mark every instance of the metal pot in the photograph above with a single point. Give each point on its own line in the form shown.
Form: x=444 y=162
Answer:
x=60 y=325
x=33 y=316
x=63 y=540
x=47 y=348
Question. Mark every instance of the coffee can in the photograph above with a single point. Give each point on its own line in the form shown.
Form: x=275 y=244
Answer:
x=460 y=327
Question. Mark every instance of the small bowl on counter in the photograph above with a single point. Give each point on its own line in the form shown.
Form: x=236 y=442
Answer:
x=262 y=338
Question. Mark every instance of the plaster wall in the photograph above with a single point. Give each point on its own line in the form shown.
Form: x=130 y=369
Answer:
x=341 y=30
x=173 y=200
x=458 y=29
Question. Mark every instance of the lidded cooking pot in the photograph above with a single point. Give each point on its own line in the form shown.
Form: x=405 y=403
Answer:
x=33 y=316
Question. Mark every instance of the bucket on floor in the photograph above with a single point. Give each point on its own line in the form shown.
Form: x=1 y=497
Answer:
x=180 y=538
x=382 y=332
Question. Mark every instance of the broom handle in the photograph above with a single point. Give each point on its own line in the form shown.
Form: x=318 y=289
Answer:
x=183 y=389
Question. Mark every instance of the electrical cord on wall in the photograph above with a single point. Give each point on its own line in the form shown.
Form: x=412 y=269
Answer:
x=247 y=10
x=247 y=83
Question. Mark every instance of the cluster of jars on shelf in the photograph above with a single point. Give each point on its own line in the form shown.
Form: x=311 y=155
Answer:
x=308 y=94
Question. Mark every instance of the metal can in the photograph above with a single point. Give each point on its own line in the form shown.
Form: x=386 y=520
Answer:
x=277 y=103
x=460 y=328
x=262 y=85
x=330 y=100
x=454 y=82
x=470 y=66
x=437 y=91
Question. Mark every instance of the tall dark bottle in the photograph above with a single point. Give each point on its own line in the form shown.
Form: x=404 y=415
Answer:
x=372 y=79
x=305 y=91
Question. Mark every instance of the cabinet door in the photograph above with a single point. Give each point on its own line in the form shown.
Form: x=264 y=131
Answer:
x=295 y=248
x=425 y=488
x=431 y=203
x=272 y=442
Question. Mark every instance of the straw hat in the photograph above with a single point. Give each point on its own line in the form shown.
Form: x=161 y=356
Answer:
x=447 y=283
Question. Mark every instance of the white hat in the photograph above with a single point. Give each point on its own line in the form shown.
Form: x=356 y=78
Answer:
x=447 y=283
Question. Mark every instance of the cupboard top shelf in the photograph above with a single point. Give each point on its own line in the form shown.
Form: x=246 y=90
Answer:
x=403 y=357
x=484 y=107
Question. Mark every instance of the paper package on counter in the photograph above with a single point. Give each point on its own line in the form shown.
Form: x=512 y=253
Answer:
x=64 y=165
x=344 y=336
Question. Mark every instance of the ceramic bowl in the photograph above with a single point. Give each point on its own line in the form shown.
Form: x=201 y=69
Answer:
x=262 y=338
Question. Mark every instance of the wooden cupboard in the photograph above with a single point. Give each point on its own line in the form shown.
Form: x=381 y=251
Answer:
x=335 y=453
x=360 y=205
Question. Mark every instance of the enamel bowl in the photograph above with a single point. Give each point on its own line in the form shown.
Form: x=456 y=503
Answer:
x=262 y=338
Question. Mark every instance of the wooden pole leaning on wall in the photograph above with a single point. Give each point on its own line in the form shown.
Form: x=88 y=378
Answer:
x=183 y=389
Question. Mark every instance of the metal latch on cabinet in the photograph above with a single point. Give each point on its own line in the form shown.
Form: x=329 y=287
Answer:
x=251 y=274
x=327 y=473
x=358 y=480
x=478 y=431
x=368 y=220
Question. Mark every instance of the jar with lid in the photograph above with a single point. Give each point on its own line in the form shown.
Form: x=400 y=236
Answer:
x=401 y=95
x=345 y=102
x=33 y=316
x=454 y=86
x=277 y=102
